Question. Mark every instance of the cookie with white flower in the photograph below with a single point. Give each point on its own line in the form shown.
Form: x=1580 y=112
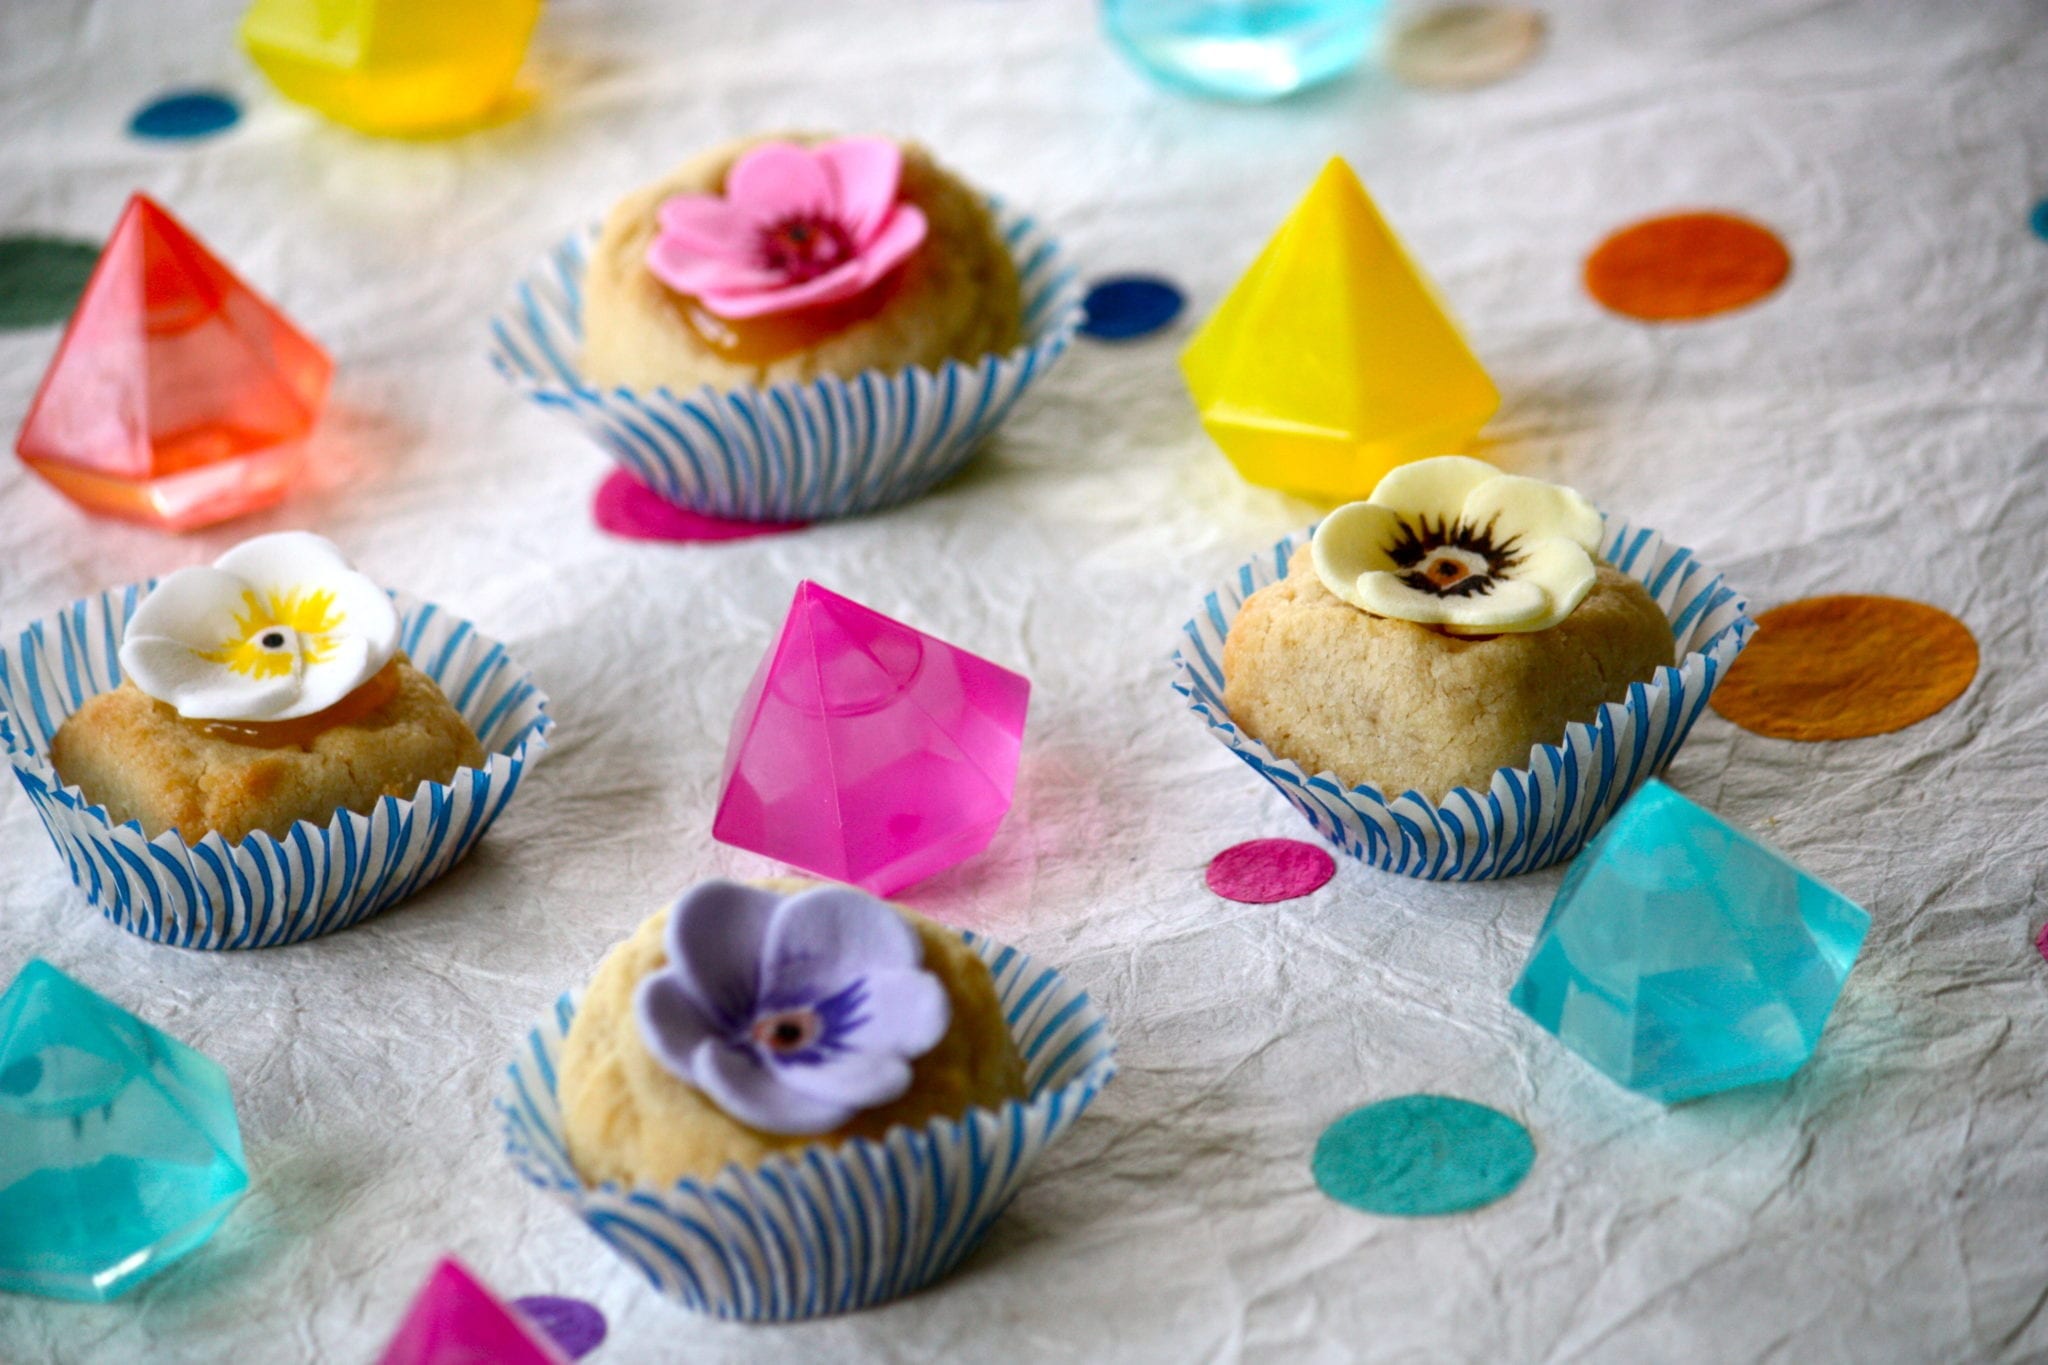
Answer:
x=792 y=258
x=1439 y=630
x=750 y=1020
x=264 y=689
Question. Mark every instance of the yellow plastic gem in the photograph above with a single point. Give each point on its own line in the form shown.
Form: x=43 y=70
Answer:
x=392 y=67
x=1332 y=360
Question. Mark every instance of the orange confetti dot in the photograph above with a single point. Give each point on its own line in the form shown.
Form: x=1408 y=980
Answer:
x=1686 y=265
x=1847 y=666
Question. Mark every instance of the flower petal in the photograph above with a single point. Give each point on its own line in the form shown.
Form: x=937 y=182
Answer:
x=821 y=940
x=857 y=1080
x=170 y=669
x=1564 y=572
x=1437 y=487
x=672 y=1025
x=900 y=236
x=323 y=683
x=753 y=1092
x=714 y=940
x=1351 y=541
x=1511 y=605
x=1532 y=510
x=777 y=180
x=687 y=272
x=843 y=281
x=197 y=606
x=906 y=1012
x=866 y=172
x=706 y=225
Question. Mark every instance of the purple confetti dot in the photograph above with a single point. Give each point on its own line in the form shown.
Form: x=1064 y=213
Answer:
x=577 y=1328
x=1263 y=871
x=2041 y=943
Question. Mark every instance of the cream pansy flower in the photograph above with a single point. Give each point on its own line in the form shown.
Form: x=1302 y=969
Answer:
x=1453 y=542
x=279 y=627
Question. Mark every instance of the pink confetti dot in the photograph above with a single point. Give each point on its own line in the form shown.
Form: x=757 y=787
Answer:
x=626 y=507
x=1263 y=871
x=2041 y=942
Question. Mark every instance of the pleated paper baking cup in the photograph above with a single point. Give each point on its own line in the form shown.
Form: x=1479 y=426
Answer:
x=1528 y=818
x=264 y=891
x=798 y=451
x=829 y=1229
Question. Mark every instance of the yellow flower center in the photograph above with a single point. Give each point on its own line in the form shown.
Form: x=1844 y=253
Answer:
x=260 y=649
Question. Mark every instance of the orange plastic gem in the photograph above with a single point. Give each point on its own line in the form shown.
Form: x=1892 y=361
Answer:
x=179 y=397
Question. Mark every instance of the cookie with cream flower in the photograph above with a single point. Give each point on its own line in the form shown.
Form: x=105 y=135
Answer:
x=793 y=258
x=1439 y=630
x=749 y=1020
x=264 y=689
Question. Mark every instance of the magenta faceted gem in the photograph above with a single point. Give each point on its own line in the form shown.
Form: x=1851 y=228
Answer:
x=869 y=752
x=456 y=1321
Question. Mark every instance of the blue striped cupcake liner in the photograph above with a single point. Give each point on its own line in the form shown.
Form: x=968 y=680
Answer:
x=1527 y=818
x=264 y=891
x=792 y=451
x=829 y=1229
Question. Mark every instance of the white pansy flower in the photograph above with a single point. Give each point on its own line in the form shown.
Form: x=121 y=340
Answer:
x=1453 y=542
x=279 y=627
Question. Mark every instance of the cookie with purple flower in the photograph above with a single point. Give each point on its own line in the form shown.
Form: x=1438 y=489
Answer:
x=792 y=258
x=753 y=1019
x=1440 y=630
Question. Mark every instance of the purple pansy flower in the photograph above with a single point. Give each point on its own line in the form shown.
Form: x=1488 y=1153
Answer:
x=792 y=1012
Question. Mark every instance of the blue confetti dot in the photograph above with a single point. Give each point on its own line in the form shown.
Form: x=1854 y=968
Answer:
x=2040 y=220
x=1419 y=1155
x=1130 y=306
x=185 y=114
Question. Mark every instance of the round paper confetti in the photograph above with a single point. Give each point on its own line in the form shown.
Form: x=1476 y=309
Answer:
x=41 y=278
x=185 y=114
x=1130 y=306
x=1267 y=870
x=1420 y=1155
x=626 y=507
x=576 y=1327
x=1845 y=667
x=1462 y=46
x=1685 y=266
x=2040 y=220
x=2041 y=943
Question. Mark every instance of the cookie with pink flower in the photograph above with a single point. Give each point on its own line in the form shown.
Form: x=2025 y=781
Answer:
x=750 y=1020
x=794 y=258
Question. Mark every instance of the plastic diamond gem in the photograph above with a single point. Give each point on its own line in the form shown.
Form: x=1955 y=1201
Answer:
x=392 y=67
x=119 y=1150
x=869 y=752
x=178 y=396
x=1683 y=957
x=454 y=1320
x=1332 y=360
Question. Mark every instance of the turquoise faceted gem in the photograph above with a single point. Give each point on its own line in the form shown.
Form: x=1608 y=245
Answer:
x=119 y=1150
x=1682 y=957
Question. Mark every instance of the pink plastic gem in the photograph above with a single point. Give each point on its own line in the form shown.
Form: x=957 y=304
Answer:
x=868 y=752
x=178 y=396
x=456 y=1321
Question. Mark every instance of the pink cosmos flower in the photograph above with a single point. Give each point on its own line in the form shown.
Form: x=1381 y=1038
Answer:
x=796 y=227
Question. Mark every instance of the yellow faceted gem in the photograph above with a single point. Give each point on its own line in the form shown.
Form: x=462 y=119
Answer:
x=1332 y=360
x=392 y=67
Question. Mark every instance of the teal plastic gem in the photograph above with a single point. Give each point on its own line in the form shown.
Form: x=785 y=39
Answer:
x=119 y=1150
x=1683 y=957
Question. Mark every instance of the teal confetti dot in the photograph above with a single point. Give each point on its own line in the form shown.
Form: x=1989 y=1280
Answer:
x=41 y=278
x=185 y=114
x=2040 y=220
x=1421 y=1155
